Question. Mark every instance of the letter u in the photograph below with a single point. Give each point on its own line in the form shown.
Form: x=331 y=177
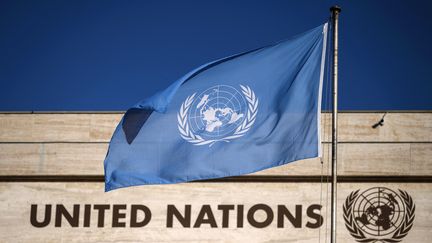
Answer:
x=33 y=216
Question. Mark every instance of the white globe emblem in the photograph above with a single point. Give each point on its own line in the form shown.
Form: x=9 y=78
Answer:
x=220 y=113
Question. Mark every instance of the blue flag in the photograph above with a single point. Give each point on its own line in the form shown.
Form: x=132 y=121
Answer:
x=233 y=116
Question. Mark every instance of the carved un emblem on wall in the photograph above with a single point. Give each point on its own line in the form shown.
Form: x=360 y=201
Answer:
x=379 y=215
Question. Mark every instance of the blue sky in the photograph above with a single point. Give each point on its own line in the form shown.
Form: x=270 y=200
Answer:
x=108 y=55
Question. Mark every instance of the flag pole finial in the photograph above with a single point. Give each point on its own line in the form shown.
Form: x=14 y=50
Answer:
x=335 y=9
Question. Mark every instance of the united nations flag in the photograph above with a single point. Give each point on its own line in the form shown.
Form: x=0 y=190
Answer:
x=232 y=116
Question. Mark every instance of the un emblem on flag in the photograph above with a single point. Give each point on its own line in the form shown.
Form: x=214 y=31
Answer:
x=220 y=113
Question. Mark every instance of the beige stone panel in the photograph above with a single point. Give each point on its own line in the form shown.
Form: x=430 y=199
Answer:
x=87 y=127
x=60 y=127
x=421 y=155
x=102 y=126
x=398 y=127
x=374 y=159
x=16 y=198
x=86 y=159
x=21 y=159
x=354 y=159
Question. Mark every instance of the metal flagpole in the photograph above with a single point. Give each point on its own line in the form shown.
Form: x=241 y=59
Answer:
x=335 y=10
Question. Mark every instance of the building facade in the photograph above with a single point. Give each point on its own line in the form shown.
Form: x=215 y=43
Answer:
x=51 y=187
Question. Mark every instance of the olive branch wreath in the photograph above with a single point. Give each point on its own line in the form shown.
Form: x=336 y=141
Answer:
x=187 y=134
x=398 y=235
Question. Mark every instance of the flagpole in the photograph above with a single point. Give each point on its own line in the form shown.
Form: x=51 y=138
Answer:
x=335 y=10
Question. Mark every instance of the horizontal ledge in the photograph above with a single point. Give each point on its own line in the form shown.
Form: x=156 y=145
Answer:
x=236 y=179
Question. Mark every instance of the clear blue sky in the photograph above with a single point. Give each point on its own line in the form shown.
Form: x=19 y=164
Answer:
x=108 y=55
